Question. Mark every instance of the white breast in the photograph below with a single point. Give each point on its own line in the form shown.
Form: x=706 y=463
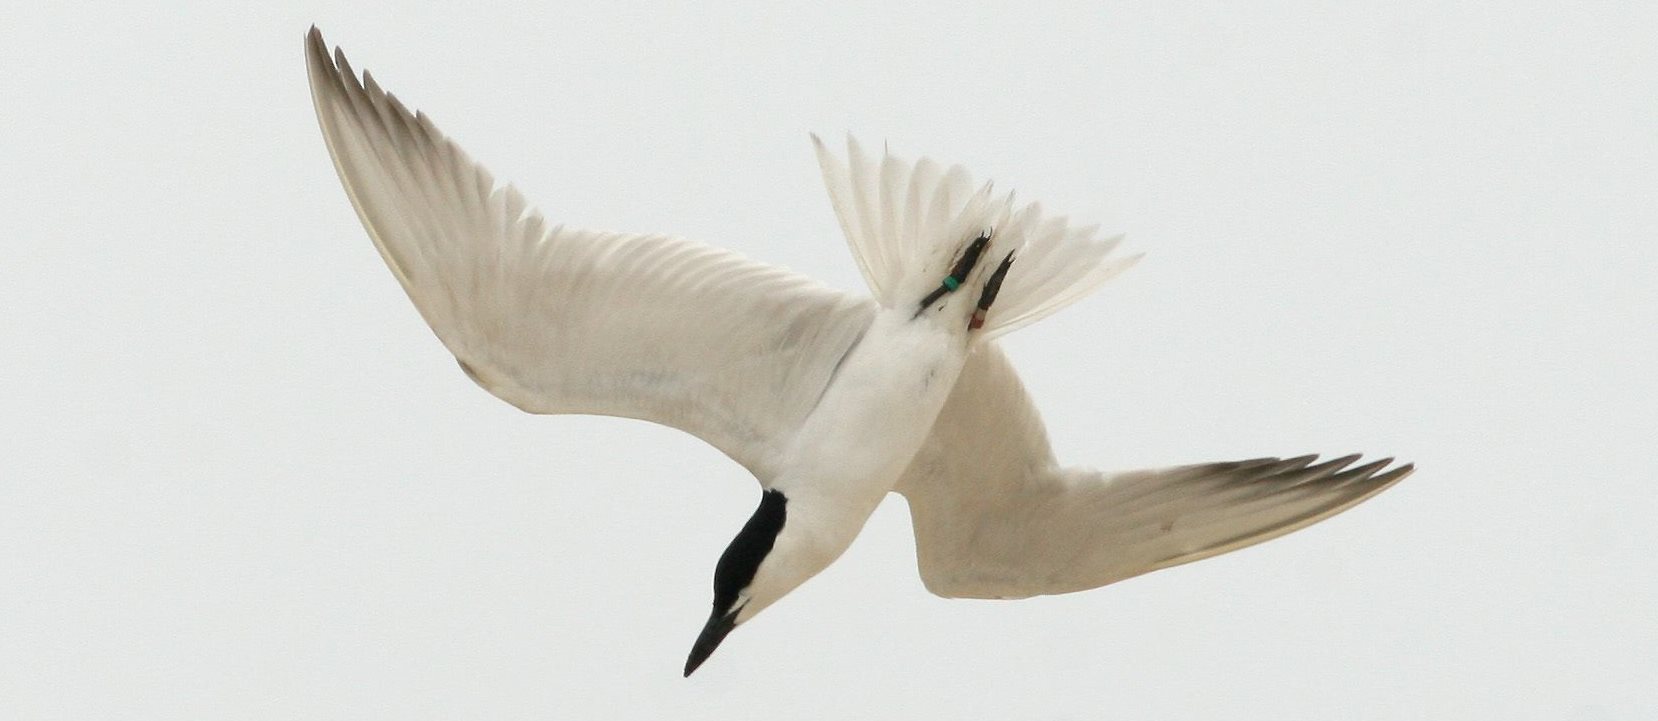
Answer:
x=876 y=413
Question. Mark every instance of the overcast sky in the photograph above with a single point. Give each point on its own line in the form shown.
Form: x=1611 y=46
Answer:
x=241 y=478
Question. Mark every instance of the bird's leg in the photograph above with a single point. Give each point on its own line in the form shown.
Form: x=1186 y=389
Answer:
x=991 y=288
x=959 y=273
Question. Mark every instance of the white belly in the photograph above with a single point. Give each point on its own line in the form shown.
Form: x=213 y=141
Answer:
x=875 y=415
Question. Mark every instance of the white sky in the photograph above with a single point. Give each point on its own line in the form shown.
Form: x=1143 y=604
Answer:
x=242 y=480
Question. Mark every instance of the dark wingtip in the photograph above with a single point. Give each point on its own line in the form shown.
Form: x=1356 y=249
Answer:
x=1397 y=474
x=322 y=63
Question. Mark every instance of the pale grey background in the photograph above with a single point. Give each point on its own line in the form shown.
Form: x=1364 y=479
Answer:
x=242 y=480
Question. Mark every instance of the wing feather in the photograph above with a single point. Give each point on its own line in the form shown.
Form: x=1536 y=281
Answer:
x=561 y=320
x=996 y=517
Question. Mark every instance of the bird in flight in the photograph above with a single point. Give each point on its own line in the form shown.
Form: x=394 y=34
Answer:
x=831 y=401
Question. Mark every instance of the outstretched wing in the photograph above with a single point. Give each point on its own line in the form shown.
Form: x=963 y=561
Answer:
x=996 y=517
x=556 y=320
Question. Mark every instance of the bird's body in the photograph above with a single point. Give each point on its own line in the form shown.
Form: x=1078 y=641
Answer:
x=874 y=416
x=831 y=401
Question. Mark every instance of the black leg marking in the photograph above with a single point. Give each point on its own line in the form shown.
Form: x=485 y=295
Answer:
x=935 y=295
x=991 y=288
x=969 y=259
x=964 y=266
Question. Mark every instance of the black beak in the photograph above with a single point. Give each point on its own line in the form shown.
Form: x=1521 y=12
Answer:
x=719 y=624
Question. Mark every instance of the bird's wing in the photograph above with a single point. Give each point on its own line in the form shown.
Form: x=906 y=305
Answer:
x=996 y=517
x=556 y=320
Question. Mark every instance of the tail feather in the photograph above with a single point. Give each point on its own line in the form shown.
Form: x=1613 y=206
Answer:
x=903 y=221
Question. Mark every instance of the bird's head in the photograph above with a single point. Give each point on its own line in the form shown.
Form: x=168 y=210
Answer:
x=768 y=558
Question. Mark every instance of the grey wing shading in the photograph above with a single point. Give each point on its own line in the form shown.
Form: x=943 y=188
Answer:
x=559 y=320
x=996 y=517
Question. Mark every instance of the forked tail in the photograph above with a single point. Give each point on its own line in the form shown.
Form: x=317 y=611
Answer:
x=911 y=225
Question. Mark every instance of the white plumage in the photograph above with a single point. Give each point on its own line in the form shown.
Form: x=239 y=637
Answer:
x=996 y=516
x=895 y=215
x=831 y=401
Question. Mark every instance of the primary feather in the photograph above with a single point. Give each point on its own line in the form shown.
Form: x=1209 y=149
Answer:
x=561 y=320
x=996 y=516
